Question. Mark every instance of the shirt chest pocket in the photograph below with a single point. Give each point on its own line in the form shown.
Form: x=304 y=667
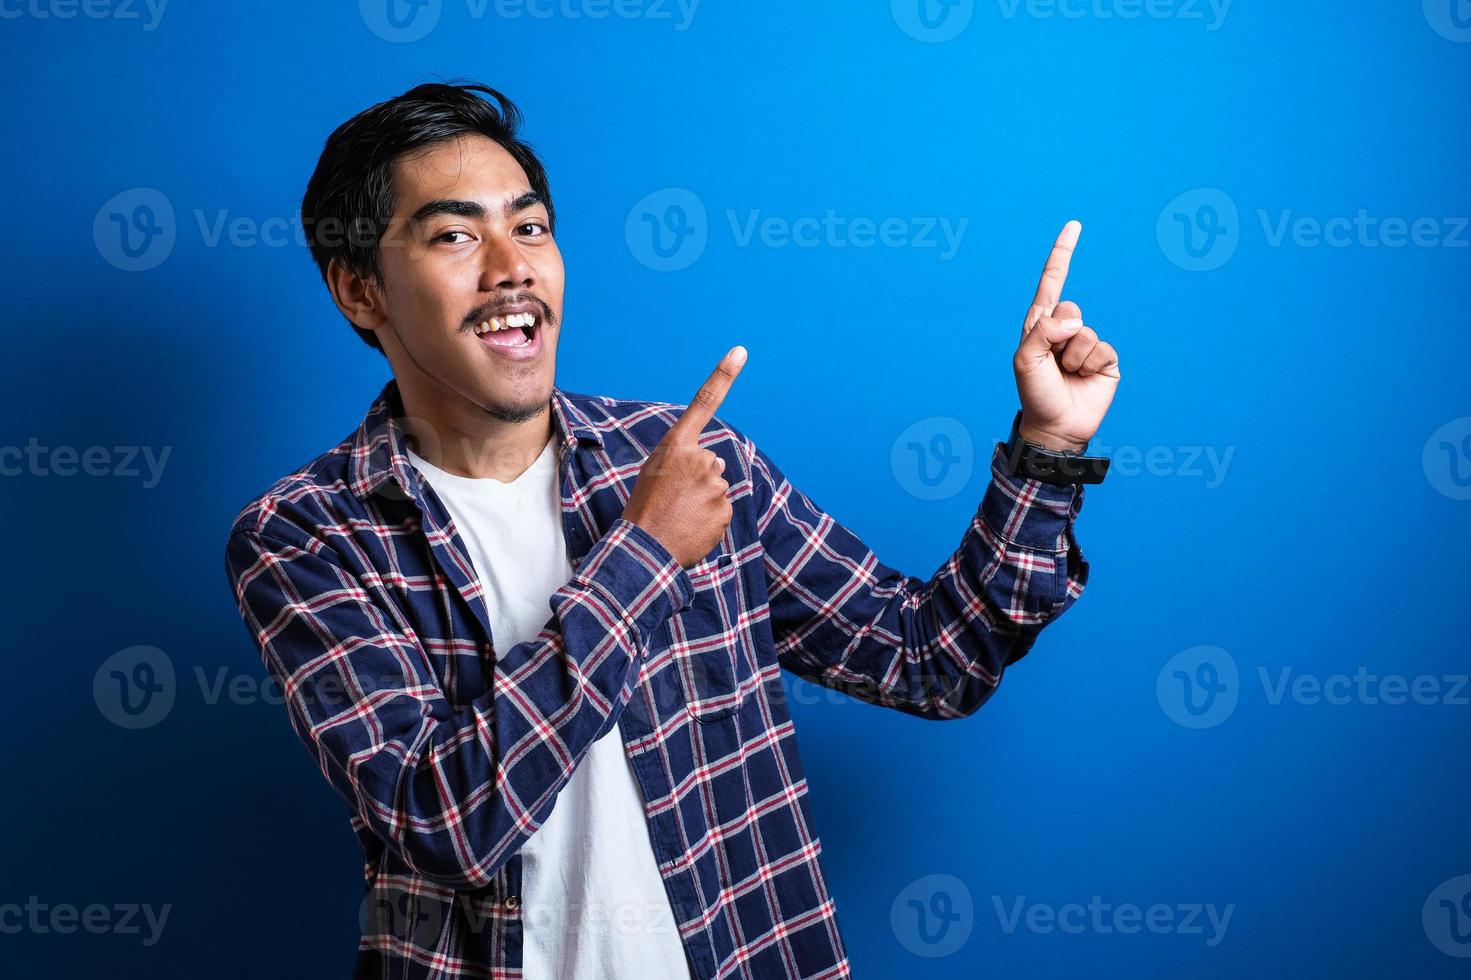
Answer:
x=709 y=642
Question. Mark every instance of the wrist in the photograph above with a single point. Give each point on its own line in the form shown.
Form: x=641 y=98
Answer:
x=1049 y=440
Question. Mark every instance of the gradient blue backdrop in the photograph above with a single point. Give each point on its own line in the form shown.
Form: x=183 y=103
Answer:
x=1333 y=540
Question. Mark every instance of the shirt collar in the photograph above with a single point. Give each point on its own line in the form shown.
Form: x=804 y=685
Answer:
x=378 y=454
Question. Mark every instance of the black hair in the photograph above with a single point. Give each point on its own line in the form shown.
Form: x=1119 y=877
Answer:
x=349 y=198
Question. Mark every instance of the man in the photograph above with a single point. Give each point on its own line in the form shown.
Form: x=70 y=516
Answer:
x=612 y=790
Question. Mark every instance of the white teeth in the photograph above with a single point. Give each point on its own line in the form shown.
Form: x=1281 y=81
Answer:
x=515 y=320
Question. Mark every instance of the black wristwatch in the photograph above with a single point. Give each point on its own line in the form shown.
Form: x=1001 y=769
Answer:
x=1061 y=469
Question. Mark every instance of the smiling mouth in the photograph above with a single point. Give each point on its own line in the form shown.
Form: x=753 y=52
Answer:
x=512 y=331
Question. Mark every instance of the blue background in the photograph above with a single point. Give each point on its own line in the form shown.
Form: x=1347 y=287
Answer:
x=1332 y=542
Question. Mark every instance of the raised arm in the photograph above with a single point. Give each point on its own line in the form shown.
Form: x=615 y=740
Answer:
x=937 y=648
x=456 y=791
x=933 y=648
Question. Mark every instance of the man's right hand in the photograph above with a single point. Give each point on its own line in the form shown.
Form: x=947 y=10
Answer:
x=679 y=496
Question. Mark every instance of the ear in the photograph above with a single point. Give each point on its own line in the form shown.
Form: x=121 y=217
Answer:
x=359 y=299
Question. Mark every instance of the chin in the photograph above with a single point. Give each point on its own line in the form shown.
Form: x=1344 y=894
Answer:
x=524 y=404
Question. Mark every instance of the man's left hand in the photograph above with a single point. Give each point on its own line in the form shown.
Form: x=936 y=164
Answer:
x=1066 y=376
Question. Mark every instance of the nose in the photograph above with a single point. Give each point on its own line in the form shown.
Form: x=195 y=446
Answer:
x=505 y=267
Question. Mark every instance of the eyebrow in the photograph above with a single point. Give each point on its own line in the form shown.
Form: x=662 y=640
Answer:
x=473 y=209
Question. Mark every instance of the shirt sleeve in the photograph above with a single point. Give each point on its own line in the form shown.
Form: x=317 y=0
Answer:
x=454 y=791
x=936 y=649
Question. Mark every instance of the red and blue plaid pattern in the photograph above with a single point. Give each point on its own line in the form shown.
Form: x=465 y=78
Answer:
x=450 y=750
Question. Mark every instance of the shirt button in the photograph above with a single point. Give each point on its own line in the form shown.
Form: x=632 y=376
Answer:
x=513 y=903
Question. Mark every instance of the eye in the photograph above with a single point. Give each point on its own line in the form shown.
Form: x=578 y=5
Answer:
x=443 y=237
x=532 y=228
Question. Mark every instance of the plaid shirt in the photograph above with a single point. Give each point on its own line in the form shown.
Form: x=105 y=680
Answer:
x=450 y=751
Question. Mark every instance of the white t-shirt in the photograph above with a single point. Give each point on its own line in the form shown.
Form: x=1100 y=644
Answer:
x=593 y=904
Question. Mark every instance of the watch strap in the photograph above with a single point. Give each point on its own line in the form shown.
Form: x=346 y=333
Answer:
x=1052 y=466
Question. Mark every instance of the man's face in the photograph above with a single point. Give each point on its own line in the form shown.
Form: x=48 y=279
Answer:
x=469 y=243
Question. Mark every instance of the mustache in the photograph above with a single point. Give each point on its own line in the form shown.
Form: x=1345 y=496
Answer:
x=498 y=308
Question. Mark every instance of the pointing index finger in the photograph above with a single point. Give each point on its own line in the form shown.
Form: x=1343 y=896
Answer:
x=1054 y=275
x=707 y=400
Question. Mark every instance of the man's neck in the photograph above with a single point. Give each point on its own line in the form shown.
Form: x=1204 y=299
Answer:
x=461 y=438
